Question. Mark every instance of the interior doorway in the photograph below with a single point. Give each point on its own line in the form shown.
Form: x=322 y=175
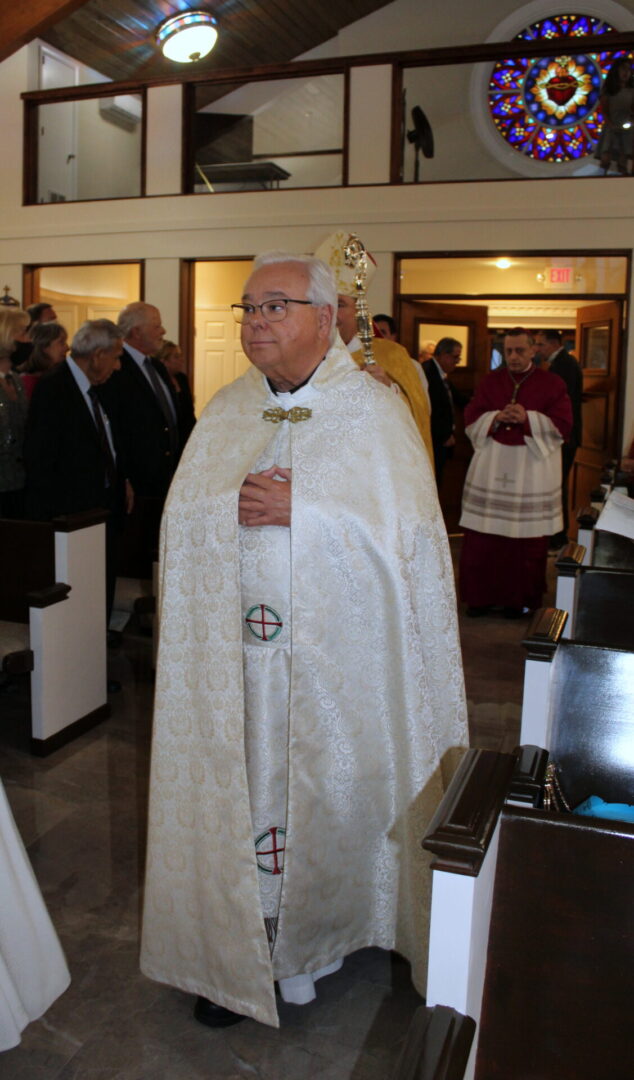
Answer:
x=81 y=291
x=424 y=321
x=582 y=296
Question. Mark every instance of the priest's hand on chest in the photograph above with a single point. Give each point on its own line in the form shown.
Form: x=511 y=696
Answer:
x=265 y=498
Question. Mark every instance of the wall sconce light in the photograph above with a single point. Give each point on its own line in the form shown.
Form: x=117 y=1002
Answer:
x=187 y=37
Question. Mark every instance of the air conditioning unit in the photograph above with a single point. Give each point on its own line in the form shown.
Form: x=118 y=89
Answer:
x=124 y=110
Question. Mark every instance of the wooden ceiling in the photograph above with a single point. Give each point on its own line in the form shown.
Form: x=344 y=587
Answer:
x=116 y=37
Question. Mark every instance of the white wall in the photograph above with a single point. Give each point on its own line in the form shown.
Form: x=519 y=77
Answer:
x=108 y=156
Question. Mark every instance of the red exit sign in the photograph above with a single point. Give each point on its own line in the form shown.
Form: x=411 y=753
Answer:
x=559 y=277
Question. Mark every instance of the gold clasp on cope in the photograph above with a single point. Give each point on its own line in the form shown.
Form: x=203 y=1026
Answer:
x=294 y=415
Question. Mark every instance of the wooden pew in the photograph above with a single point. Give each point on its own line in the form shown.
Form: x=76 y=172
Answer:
x=604 y=607
x=64 y=643
x=549 y=991
x=28 y=580
x=438 y=1045
x=587 y=519
x=599 y=605
x=549 y=654
x=567 y=564
x=611 y=553
x=544 y=634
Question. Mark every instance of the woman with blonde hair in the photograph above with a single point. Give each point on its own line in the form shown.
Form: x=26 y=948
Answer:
x=13 y=409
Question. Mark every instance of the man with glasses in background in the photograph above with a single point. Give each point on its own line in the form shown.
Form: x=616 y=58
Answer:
x=309 y=699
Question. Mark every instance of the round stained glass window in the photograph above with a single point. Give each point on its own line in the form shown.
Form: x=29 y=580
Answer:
x=548 y=109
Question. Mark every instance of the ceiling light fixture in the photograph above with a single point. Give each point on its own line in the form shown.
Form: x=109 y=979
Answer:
x=187 y=37
x=503 y=264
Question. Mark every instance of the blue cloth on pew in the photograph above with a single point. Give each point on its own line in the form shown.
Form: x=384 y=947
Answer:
x=596 y=807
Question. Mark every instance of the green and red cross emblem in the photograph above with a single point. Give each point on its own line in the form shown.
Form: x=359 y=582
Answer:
x=264 y=622
x=269 y=850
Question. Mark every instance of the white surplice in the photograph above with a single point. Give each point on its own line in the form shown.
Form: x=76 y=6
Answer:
x=514 y=491
x=330 y=736
x=33 y=970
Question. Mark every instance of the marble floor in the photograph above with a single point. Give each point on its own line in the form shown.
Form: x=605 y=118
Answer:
x=82 y=812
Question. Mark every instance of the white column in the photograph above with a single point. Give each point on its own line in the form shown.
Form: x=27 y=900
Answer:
x=164 y=139
x=162 y=283
x=369 y=124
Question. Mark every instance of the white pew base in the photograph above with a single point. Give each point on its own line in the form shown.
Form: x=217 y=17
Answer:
x=68 y=639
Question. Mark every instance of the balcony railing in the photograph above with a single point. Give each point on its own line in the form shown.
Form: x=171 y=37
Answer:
x=498 y=111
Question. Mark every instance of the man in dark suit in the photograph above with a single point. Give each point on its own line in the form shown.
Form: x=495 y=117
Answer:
x=561 y=362
x=140 y=400
x=444 y=398
x=70 y=451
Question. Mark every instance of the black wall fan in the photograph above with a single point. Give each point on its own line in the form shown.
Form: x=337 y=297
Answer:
x=422 y=138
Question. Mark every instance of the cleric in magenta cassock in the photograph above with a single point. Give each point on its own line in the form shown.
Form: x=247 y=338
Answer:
x=309 y=697
x=511 y=504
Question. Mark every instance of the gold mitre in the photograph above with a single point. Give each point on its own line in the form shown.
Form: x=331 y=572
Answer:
x=331 y=251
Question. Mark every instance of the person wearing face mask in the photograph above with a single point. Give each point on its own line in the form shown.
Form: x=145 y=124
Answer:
x=13 y=410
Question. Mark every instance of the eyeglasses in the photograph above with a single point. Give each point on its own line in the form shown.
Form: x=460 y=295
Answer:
x=272 y=310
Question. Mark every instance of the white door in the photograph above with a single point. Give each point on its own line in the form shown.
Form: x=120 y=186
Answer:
x=72 y=313
x=218 y=357
x=57 y=151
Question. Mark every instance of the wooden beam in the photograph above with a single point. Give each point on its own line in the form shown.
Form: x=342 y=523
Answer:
x=21 y=23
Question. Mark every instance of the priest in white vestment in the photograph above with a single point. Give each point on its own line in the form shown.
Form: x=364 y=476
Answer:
x=33 y=971
x=309 y=698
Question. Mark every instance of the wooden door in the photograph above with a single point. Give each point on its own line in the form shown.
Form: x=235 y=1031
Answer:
x=467 y=323
x=599 y=354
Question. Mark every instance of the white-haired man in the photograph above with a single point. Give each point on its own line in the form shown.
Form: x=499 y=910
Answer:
x=309 y=686
x=141 y=400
